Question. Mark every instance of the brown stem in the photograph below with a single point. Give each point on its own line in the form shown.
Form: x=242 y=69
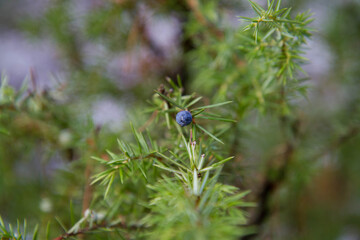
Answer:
x=93 y=228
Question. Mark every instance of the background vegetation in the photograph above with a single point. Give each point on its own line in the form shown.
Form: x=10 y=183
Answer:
x=91 y=68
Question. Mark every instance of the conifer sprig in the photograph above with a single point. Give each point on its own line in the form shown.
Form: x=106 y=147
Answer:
x=20 y=233
x=188 y=180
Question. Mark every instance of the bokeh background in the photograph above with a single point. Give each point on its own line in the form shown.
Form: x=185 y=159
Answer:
x=99 y=61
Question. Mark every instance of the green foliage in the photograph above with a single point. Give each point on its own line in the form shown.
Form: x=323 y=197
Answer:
x=134 y=159
x=256 y=161
x=199 y=204
x=281 y=39
x=20 y=233
x=208 y=215
x=169 y=167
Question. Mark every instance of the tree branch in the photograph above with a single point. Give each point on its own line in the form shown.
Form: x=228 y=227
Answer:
x=87 y=230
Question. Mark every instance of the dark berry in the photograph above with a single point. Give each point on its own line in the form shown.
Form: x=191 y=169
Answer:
x=183 y=118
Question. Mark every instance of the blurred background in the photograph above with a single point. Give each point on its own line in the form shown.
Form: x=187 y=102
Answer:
x=91 y=65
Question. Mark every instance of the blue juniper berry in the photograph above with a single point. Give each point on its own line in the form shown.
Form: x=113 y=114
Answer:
x=183 y=118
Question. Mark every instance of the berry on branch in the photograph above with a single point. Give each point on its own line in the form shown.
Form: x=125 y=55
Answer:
x=183 y=118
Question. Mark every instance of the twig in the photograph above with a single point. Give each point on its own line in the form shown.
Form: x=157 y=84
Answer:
x=95 y=227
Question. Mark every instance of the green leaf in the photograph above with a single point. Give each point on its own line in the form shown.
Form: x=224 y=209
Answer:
x=60 y=223
x=216 y=165
x=197 y=112
x=141 y=169
x=277 y=8
x=136 y=137
x=47 y=234
x=1 y=222
x=194 y=134
x=287 y=12
x=179 y=81
x=195 y=183
x=167 y=116
x=246 y=28
x=141 y=141
x=112 y=177
x=121 y=175
x=285 y=33
x=35 y=234
x=18 y=228
x=173 y=161
x=99 y=159
x=277 y=13
x=170 y=100
x=167 y=169
x=258 y=9
x=247 y=18
x=101 y=176
x=193 y=102
x=213 y=105
x=208 y=133
x=222 y=162
x=271 y=5
x=204 y=181
x=243 y=194
x=171 y=82
x=269 y=33
x=25 y=227
x=256 y=32
x=112 y=155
